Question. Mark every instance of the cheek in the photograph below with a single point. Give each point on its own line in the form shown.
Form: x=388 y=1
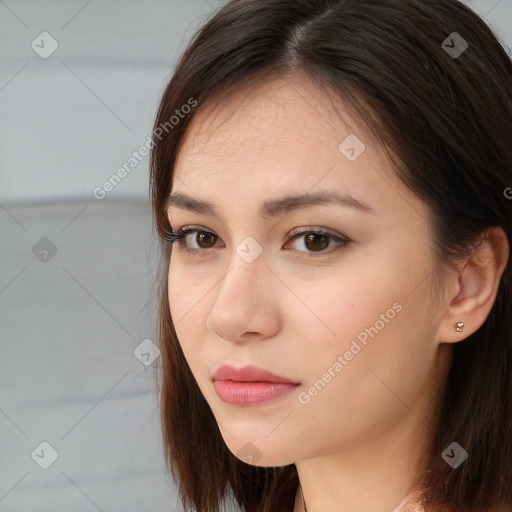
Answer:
x=332 y=310
x=191 y=337
x=365 y=376
x=187 y=290
x=356 y=328
x=373 y=320
x=185 y=307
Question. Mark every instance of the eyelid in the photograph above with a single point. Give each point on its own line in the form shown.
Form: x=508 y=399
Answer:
x=191 y=227
x=316 y=229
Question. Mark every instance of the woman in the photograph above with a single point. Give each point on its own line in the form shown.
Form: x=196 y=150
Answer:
x=332 y=192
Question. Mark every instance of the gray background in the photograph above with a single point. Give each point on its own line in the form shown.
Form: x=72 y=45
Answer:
x=70 y=320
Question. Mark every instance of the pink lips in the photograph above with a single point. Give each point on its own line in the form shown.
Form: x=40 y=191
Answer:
x=250 y=385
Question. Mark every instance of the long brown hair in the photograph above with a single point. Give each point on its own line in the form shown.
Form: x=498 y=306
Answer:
x=445 y=119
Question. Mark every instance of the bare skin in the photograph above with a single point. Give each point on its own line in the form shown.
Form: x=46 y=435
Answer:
x=360 y=440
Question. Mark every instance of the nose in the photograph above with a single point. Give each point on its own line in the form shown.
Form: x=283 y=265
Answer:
x=246 y=306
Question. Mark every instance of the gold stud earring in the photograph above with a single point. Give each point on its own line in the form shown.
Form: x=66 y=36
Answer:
x=459 y=326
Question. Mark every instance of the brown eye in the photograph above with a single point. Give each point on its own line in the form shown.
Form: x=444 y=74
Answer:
x=205 y=238
x=314 y=243
x=317 y=241
x=185 y=238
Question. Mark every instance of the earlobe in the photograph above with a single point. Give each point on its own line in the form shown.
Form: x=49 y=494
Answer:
x=475 y=287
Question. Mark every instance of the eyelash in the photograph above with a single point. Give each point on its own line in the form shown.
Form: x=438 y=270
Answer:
x=182 y=233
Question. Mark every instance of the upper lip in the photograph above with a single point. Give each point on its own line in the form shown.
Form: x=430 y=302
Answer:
x=248 y=374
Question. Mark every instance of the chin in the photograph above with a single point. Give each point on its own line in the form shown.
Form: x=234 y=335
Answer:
x=260 y=452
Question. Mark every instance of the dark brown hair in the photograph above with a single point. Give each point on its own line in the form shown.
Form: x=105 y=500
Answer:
x=445 y=121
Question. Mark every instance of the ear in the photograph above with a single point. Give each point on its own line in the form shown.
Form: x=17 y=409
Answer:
x=473 y=288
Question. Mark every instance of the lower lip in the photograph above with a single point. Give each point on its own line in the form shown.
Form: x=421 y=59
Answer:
x=249 y=393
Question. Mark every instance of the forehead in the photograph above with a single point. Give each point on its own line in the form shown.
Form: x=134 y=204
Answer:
x=280 y=136
x=271 y=118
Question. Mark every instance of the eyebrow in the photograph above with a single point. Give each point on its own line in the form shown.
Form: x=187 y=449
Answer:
x=272 y=207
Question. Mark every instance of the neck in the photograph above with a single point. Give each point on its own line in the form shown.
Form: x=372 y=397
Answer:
x=409 y=504
x=359 y=479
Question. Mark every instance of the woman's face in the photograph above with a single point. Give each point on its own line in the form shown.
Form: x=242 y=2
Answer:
x=349 y=323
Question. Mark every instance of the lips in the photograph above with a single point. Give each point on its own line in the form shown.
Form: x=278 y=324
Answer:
x=249 y=374
x=250 y=385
